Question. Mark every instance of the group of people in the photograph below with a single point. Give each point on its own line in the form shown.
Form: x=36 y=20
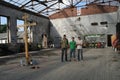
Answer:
x=73 y=45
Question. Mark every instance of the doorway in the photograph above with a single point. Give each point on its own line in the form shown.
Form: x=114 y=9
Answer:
x=109 y=40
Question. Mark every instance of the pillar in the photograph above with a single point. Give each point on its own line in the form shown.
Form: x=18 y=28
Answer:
x=12 y=30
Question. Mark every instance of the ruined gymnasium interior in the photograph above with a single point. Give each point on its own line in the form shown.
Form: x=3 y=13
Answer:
x=93 y=20
x=31 y=32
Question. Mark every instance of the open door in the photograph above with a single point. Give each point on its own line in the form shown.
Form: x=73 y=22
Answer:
x=109 y=40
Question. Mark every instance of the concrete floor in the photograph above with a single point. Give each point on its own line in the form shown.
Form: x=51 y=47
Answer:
x=98 y=64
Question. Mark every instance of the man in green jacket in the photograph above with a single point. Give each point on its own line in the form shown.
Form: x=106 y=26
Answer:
x=72 y=49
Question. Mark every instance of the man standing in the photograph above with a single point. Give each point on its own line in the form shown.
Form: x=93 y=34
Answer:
x=79 y=48
x=64 y=46
x=72 y=49
x=45 y=45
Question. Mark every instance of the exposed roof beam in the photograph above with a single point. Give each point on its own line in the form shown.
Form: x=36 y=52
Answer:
x=47 y=7
x=41 y=2
x=25 y=4
x=78 y=2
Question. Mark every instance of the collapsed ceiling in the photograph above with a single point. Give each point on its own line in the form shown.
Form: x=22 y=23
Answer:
x=48 y=7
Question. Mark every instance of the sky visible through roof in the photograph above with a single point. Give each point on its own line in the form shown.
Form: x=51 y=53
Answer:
x=42 y=7
x=39 y=7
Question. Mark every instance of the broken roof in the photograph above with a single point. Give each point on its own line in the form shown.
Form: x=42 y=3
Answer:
x=48 y=7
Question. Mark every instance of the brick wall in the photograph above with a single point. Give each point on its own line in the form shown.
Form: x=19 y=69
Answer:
x=68 y=12
x=89 y=10
x=98 y=9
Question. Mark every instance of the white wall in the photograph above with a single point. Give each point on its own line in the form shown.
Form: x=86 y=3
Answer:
x=73 y=27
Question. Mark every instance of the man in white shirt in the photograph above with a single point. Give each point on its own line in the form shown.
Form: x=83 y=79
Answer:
x=79 y=43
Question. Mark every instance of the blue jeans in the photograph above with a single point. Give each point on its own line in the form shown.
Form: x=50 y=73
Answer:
x=64 y=53
x=72 y=53
x=80 y=53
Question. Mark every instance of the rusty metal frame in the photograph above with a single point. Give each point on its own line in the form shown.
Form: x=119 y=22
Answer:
x=48 y=8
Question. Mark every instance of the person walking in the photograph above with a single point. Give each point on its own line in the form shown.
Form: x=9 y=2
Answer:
x=64 y=46
x=79 y=48
x=72 y=49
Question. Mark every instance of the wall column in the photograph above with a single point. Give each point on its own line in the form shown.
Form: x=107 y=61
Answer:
x=12 y=30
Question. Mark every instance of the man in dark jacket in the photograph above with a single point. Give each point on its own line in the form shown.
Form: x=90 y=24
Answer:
x=64 y=46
